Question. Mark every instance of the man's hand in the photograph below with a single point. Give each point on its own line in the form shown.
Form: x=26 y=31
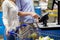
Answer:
x=35 y=15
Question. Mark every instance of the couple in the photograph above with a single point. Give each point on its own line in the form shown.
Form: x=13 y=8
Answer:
x=12 y=9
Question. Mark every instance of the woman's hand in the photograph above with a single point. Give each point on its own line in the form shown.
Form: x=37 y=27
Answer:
x=7 y=34
x=7 y=30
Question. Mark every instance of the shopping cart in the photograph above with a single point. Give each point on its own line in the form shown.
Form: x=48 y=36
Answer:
x=54 y=34
x=25 y=30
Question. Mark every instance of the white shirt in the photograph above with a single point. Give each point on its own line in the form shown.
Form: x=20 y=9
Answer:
x=10 y=14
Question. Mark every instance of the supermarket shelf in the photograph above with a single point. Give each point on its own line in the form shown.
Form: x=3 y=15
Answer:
x=53 y=15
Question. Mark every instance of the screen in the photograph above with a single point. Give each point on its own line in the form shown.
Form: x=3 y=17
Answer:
x=50 y=4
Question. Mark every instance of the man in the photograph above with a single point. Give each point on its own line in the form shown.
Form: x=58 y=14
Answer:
x=25 y=6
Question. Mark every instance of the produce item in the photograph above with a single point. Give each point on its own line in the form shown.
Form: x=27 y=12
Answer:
x=33 y=35
x=45 y=38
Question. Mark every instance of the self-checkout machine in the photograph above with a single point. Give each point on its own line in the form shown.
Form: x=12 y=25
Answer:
x=52 y=30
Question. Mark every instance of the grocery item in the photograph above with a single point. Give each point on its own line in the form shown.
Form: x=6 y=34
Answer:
x=45 y=38
x=33 y=36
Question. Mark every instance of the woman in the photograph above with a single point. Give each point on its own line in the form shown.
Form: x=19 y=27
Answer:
x=11 y=15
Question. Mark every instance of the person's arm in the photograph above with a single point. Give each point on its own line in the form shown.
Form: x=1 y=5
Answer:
x=5 y=16
x=28 y=13
x=24 y=13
